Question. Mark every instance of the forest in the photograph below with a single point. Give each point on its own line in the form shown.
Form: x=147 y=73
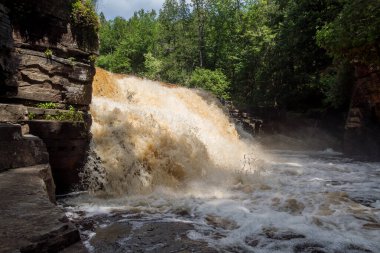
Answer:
x=297 y=55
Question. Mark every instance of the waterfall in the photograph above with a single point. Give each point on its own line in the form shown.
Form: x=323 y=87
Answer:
x=150 y=134
x=163 y=153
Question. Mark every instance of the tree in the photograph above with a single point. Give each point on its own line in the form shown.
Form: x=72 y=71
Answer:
x=354 y=34
x=214 y=81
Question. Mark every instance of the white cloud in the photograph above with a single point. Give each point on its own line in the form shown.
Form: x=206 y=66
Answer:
x=126 y=8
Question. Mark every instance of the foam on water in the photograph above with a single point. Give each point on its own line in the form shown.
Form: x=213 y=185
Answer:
x=169 y=151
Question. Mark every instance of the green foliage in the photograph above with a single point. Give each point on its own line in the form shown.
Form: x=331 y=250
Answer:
x=47 y=105
x=32 y=116
x=153 y=66
x=71 y=61
x=214 y=81
x=354 y=34
x=123 y=43
x=264 y=53
x=48 y=53
x=337 y=85
x=92 y=59
x=71 y=115
x=85 y=23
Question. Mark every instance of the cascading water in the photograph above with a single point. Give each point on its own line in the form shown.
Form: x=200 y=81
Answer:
x=172 y=175
x=149 y=134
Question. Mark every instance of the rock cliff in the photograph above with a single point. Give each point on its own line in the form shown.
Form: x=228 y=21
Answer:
x=362 y=135
x=46 y=73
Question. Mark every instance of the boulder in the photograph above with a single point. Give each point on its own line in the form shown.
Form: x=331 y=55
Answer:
x=30 y=222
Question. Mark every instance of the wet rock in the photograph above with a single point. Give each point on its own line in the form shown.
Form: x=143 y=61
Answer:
x=293 y=206
x=236 y=249
x=309 y=247
x=220 y=222
x=252 y=241
x=273 y=233
x=30 y=222
x=363 y=201
x=372 y=226
x=151 y=237
x=356 y=249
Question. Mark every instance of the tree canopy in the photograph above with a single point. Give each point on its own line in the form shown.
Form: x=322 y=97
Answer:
x=293 y=54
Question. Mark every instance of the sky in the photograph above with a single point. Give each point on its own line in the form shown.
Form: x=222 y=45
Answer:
x=126 y=8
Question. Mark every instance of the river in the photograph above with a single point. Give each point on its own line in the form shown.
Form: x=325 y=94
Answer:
x=171 y=173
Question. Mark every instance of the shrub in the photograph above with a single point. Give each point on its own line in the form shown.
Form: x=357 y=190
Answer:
x=32 y=116
x=70 y=115
x=214 y=81
x=48 y=53
x=85 y=23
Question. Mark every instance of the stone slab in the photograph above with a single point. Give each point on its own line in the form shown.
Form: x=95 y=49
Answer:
x=12 y=113
x=26 y=151
x=10 y=132
x=30 y=222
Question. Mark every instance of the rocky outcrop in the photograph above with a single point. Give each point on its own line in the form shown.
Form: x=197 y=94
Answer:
x=44 y=59
x=362 y=135
x=18 y=151
x=46 y=72
x=243 y=119
x=66 y=143
x=30 y=222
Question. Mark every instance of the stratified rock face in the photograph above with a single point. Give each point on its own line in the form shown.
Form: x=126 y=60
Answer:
x=66 y=143
x=362 y=136
x=43 y=59
x=53 y=80
x=20 y=151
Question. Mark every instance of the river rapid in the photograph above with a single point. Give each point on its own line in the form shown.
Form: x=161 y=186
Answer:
x=170 y=172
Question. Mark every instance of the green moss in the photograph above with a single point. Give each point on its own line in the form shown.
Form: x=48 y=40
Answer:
x=71 y=61
x=70 y=115
x=32 y=116
x=48 y=53
x=47 y=105
x=92 y=58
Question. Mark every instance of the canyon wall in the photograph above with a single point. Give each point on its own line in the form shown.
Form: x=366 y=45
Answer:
x=362 y=135
x=46 y=73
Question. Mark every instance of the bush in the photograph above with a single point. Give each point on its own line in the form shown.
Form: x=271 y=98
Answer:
x=213 y=81
x=48 y=53
x=85 y=23
x=70 y=115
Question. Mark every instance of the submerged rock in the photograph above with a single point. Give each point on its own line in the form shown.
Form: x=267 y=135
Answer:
x=151 y=237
